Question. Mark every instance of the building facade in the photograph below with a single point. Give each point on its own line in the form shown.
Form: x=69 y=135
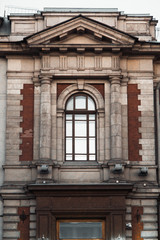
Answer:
x=79 y=116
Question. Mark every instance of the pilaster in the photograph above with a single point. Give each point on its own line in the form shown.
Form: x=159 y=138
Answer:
x=115 y=118
x=45 y=118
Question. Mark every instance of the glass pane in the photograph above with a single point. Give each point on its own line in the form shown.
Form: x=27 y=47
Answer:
x=68 y=145
x=80 y=230
x=80 y=145
x=91 y=105
x=80 y=102
x=80 y=128
x=68 y=157
x=80 y=117
x=80 y=157
x=91 y=128
x=91 y=116
x=68 y=128
x=92 y=157
x=70 y=104
x=92 y=145
x=68 y=116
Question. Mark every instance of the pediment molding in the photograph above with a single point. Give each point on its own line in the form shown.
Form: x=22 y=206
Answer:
x=80 y=31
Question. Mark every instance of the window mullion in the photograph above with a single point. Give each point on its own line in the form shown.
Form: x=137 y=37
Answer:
x=87 y=137
x=73 y=137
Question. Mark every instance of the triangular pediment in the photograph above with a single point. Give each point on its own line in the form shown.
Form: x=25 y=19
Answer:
x=80 y=31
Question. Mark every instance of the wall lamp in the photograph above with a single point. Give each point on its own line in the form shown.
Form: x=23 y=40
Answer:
x=117 y=168
x=44 y=169
x=43 y=238
x=143 y=171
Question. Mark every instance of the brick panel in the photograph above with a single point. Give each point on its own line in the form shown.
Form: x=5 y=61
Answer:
x=23 y=225
x=27 y=124
x=137 y=225
x=133 y=123
x=99 y=87
x=61 y=87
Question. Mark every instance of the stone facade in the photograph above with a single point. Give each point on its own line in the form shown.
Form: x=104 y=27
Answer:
x=46 y=59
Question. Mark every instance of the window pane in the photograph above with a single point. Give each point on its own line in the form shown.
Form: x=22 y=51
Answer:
x=68 y=128
x=68 y=116
x=80 y=157
x=92 y=157
x=91 y=105
x=91 y=116
x=91 y=128
x=92 y=145
x=80 y=102
x=80 y=230
x=68 y=145
x=80 y=116
x=68 y=157
x=80 y=128
x=70 y=104
x=80 y=145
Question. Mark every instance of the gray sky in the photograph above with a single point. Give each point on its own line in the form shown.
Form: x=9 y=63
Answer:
x=136 y=6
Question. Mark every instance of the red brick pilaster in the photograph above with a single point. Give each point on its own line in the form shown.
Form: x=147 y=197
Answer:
x=27 y=115
x=137 y=225
x=23 y=225
x=133 y=123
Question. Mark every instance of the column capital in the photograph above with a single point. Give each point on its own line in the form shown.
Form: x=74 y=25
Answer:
x=45 y=79
x=115 y=79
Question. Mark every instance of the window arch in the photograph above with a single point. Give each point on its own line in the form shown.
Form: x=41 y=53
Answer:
x=80 y=128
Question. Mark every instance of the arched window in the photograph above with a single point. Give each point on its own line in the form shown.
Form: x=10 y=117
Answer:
x=80 y=128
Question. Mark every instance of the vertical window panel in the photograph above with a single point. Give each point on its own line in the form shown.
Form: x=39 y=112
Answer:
x=68 y=128
x=80 y=128
x=92 y=145
x=80 y=102
x=92 y=128
x=70 y=104
x=80 y=145
x=68 y=145
x=91 y=105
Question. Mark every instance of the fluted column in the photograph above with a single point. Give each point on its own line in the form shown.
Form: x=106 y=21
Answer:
x=116 y=132
x=45 y=118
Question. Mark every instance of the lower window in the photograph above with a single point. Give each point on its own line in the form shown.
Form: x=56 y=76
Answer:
x=81 y=229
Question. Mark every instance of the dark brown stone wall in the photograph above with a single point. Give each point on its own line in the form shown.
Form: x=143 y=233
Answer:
x=27 y=124
x=133 y=123
x=23 y=226
x=137 y=224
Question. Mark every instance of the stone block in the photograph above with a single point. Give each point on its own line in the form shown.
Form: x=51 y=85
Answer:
x=12 y=203
x=149 y=226
x=32 y=233
x=32 y=225
x=149 y=202
x=10 y=210
x=149 y=234
x=24 y=203
x=10 y=226
x=80 y=176
x=32 y=217
x=11 y=219
x=148 y=135
x=23 y=175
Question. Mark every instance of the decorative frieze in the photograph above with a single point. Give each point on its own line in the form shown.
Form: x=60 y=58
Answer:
x=80 y=62
x=98 y=62
x=63 y=64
